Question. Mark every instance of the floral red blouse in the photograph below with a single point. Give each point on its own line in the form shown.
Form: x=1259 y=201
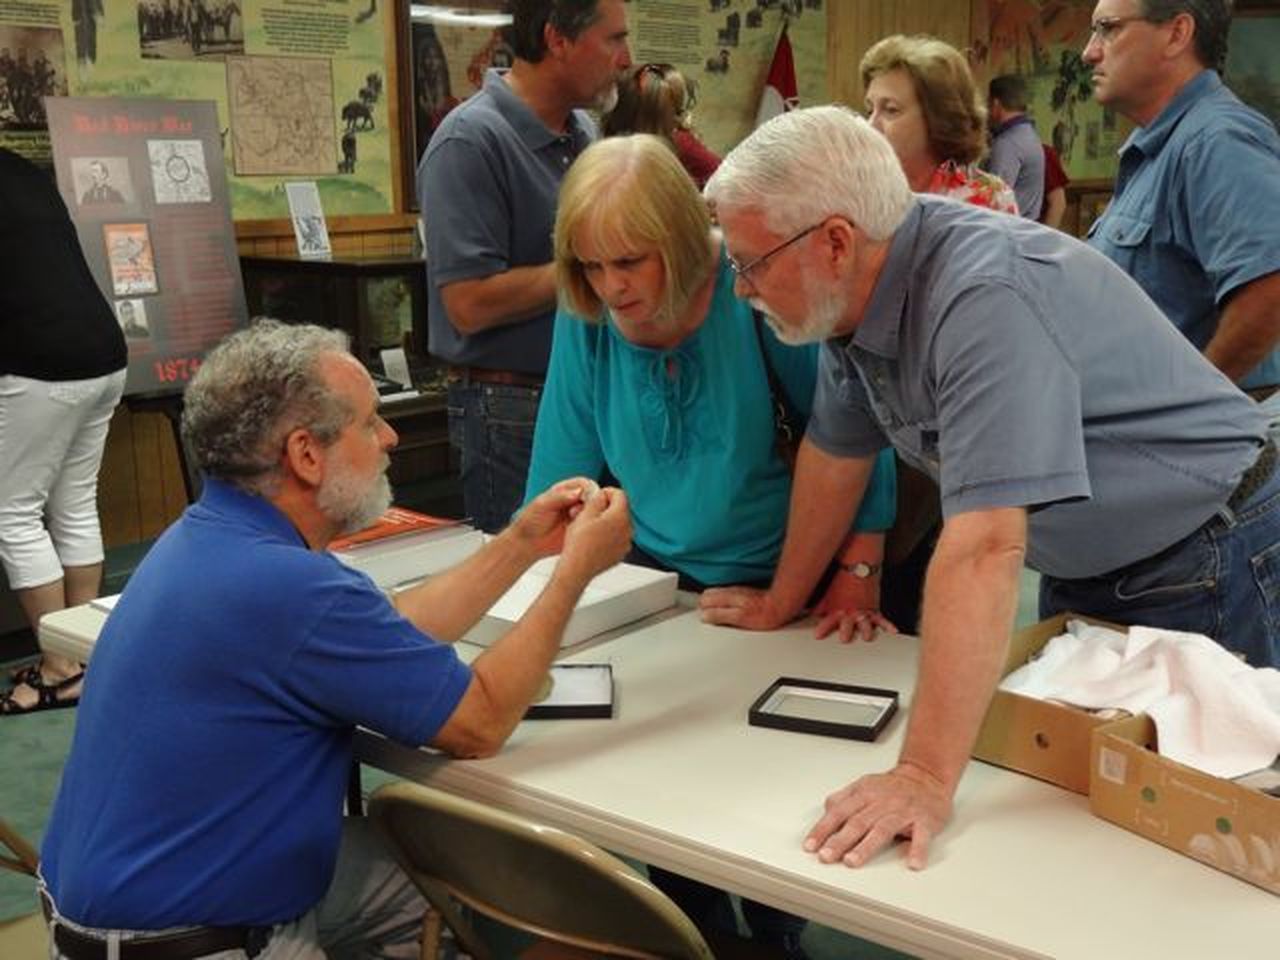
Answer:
x=969 y=184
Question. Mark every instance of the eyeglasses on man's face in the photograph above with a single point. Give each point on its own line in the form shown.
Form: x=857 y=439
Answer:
x=741 y=269
x=1106 y=29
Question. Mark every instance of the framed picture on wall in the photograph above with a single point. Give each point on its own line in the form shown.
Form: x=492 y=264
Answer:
x=443 y=52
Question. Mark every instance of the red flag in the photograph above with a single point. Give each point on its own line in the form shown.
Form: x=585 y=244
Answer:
x=780 y=91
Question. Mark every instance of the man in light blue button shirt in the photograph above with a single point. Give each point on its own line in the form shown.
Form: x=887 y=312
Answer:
x=1196 y=214
x=1066 y=422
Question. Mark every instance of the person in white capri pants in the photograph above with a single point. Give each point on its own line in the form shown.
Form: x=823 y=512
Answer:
x=62 y=372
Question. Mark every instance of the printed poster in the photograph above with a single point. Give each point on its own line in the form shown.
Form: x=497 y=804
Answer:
x=145 y=185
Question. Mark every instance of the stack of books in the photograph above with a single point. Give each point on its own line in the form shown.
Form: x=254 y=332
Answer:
x=403 y=545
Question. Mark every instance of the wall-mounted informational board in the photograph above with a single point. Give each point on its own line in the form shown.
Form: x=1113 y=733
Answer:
x=725 y=47
x=299 y=85
x=145 y=184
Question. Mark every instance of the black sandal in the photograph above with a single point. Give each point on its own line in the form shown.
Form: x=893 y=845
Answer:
x=30 y=675
x=46 y=698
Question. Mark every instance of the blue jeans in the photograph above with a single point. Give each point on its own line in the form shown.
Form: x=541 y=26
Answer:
x=1222 y=581
x=491 y=427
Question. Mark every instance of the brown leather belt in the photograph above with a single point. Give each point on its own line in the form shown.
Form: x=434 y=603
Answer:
x=1257 y=475
x=184 y=945
x=507 y=378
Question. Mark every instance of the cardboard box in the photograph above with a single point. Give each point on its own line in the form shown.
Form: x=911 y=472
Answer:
x=1046 y=740
x=620 y=595
x=1221 y=823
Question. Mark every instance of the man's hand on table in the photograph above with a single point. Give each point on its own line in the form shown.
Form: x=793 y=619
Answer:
x=753 y=609
x=850 y=609
x=870 y=813
x=744 y=607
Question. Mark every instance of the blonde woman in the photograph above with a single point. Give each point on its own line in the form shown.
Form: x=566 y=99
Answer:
x=660 y=376
x=921 y=96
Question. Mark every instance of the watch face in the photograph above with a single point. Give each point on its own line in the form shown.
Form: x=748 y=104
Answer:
x=861 y=569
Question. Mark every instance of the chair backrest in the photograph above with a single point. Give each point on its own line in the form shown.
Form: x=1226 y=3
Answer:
x=24 y=859
x=534 y=877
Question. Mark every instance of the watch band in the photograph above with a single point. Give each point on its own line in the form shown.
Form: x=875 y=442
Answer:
x=859 y=568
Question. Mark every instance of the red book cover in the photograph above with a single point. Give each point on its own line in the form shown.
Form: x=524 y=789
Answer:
x=396 y=522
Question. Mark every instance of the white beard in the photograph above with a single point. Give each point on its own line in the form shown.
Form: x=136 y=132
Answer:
x=349 y=506
x=824 y=315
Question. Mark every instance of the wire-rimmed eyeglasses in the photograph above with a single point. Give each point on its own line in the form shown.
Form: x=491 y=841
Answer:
x=1104 y=29
x=742 y=269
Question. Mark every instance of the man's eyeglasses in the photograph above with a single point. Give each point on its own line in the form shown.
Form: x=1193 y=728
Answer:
x=1104 y=29
x=742 y=269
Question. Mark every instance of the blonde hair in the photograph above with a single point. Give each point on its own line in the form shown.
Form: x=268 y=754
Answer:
x=631 y=194
x=954 y=114
x=652 y=98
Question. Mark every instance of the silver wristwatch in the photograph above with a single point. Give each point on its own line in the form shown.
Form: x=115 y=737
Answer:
x=861 y=569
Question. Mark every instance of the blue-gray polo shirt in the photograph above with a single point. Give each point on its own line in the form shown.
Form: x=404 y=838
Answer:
x=487 y=187
x=1017 y=158
x=1021 y=368
x=1196 y=212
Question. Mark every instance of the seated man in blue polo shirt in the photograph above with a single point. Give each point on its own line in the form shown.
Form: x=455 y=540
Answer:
x=1065 y=420
x=202 y=801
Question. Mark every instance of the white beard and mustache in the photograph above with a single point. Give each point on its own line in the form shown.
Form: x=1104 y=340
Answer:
x=826 y=310
x=348 y=502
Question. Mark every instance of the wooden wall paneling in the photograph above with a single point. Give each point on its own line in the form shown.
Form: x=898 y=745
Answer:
x=173 y=486
x=140 y=485
x=150 y=432
x=117 y=484
x=854 y=25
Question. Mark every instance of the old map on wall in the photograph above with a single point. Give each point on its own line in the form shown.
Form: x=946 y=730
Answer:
x=281 y=115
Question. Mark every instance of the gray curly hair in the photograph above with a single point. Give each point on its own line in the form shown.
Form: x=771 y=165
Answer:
x=253 y=389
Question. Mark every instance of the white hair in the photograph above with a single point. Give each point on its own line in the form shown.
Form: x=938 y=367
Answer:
x=805 y=165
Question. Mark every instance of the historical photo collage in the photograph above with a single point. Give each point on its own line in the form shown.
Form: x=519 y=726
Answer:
x=106 y=189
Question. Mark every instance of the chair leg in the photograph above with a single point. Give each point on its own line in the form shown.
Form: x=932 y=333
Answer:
x=431 y=928
x=450 y=915
x=25 y=859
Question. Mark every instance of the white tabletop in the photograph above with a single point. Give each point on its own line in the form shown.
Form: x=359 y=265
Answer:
x=677 y=778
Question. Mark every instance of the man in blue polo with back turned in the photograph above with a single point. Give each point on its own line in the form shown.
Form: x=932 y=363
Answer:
x=1016 y=157
x=487 y=187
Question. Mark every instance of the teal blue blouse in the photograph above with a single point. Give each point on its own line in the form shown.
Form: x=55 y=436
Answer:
x=689 y=435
